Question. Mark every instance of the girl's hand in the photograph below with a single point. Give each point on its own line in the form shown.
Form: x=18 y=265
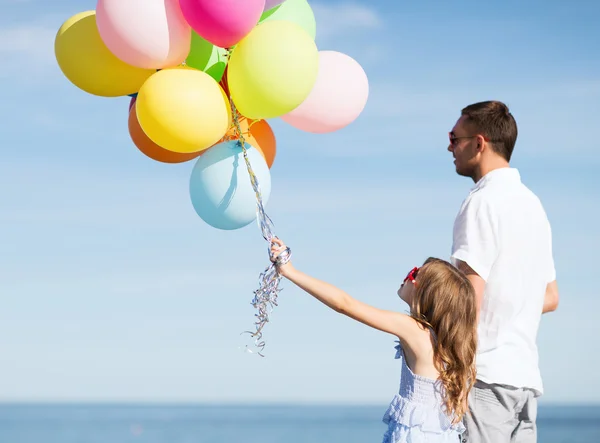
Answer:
x=277 y=249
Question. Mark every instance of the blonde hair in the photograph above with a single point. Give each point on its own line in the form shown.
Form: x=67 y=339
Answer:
x=444 y=300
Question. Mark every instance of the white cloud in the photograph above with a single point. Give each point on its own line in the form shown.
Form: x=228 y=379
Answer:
x=159 y=280
x=27 y=52
x=32 y=42
x=345 y=18
x=419 y=109
x=158 y=203
x=391 y=99
x=359 y=197
x=78 y=200
x=27 y=48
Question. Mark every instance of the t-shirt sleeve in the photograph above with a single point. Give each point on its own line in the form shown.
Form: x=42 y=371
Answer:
x=475 y=235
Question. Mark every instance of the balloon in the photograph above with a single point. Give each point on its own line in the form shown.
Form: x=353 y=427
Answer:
x=148 y=147
x=222 y=22
x=257 y=133
x=87 y=63
x=207 y=57
x=220 y=187
x=296 y=11
x=144 y=33
x=262 y=137
x=338 y=97
x=270 y=4
x=183 y=110
x=272 y=70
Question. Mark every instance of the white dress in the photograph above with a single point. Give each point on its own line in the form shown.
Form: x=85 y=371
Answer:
x=415 y=414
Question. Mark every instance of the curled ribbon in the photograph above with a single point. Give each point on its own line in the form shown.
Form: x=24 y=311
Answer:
x=265 y=297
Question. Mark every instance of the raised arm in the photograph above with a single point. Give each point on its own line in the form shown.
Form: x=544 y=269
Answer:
x=392 y=322
x=401 y=325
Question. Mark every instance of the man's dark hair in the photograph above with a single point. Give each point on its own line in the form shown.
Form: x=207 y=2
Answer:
x=493 y=120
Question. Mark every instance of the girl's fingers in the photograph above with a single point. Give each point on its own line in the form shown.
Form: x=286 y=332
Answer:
x=277 y=244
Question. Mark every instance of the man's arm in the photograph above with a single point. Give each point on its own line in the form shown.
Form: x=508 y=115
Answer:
x=475 y=243
x=551 y=297
x=477 y=282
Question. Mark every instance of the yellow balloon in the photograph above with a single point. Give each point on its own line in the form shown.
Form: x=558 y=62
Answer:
x=86 y=61
x=183 y=109
x=272 y=70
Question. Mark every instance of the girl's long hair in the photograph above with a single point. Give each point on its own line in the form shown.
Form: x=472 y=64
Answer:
x=444 y=300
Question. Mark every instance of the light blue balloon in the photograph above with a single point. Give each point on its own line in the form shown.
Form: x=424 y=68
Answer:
x=220 y=187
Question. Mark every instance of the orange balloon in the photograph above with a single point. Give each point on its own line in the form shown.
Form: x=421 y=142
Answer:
x=262 y=137
x=151 y=149
x=259 y=134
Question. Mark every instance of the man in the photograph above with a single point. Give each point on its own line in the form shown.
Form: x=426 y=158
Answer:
x=503 y=242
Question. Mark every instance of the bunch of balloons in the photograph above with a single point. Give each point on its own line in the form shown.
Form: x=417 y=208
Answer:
x=204 y=75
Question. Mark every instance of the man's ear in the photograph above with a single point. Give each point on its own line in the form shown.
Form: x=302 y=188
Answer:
x=480 y=143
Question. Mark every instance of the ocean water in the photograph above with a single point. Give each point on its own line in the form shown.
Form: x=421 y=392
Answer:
x=247 y=424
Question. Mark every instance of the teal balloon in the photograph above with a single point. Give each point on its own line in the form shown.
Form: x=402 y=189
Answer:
x=220 y=187
x=296 y=11
x=207 y=57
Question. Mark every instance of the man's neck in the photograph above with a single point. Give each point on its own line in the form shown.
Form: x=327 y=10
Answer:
x=486 y=167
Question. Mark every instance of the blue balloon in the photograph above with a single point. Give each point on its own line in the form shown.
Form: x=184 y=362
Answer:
x=220 y=187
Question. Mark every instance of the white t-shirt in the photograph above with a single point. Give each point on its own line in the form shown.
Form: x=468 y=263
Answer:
x=502 y=232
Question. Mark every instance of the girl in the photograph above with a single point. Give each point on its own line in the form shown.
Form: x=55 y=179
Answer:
x=437 y=345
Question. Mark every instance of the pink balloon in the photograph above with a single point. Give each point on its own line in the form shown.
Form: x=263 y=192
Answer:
x=222 y=22
x=270 y=4
x=151 y=34
x=337 y=99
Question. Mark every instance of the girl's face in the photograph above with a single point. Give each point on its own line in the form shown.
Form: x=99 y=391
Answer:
x=407 y=289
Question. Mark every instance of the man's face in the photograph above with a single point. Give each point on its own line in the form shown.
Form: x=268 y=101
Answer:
x=463 y=146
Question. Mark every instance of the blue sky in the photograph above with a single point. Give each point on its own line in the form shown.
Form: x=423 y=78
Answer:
x=112 y=289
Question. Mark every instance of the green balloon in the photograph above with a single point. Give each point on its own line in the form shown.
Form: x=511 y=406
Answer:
x=297 y=11
x=207 y=57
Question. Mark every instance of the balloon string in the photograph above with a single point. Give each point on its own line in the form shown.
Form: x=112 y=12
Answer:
x=265 y=297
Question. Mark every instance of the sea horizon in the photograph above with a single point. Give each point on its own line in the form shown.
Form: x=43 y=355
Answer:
x=260 y=403
x=259 y=422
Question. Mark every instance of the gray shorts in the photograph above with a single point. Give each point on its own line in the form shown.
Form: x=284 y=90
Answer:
x=500 y=414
